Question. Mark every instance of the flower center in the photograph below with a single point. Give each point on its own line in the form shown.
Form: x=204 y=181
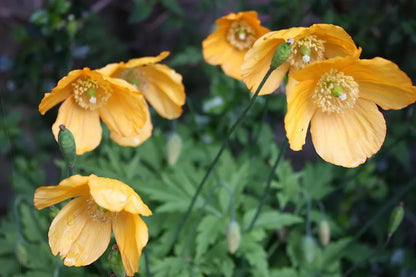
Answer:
x=335 y=92
x=241 y=35
x=306 y=50
x=98 y=213
x=91 y=94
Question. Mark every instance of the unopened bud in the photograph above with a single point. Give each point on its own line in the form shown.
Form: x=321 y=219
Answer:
x=396 y=217
x=281 y=54
x=66 y=143
x=233 y=236
x=324 y=232
x=173 y=148
x=21 y=253
x=309 y=248
x=116 y=264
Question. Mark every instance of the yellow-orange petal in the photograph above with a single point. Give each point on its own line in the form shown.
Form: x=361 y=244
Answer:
x=146 y=60
x=73 y=186
x=116 y=196
x=76 y=236
x=382 y=82
x=163 y=89
x=258 y=58
x=337 y=42
x=131 y=235
x=126 y=111
x=62 y=91
x=144 y=133
x=349 y=138
x=299 y=113
x=111 y=69
x=84 y=125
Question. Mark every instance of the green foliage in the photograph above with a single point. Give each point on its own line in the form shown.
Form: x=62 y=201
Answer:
x=64 y=35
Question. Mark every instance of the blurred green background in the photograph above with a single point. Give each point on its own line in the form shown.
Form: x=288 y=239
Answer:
x=41 y=41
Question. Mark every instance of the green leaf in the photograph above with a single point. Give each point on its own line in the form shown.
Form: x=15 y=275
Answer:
x=284 y=272
x=255 y=254
x=141 y=11
x=317 y=179
x=210 y=229
x=271 y=220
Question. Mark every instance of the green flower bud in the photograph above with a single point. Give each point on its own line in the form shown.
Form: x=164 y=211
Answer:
x=233 y=236
x=396 y=217
x=116 y=263
x=324 y=232
x=173 y=148
x=71 y=27
x=66 y=143
x=21 y=253
x=281 y=54
x=309 y=248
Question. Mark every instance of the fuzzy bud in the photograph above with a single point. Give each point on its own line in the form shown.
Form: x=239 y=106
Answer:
x=396 y=217
x=21 y=253
x=324 y=232
x=309 y=248
x=116 y=263
x=281 y=54
x=233 y=236
x=173 y=148
x=66 y=143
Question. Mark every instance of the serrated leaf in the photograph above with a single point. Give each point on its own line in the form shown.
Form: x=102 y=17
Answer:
x=271 y=220
x=255 y=254
x=210 y=229
x=284 y=272
x=317 y=180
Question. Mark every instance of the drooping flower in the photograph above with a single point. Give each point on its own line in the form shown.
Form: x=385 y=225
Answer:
x=228 y=44
x=315 y=43
x=81 y=231
x=88 y=96
x=339 y=98
x=161 y=85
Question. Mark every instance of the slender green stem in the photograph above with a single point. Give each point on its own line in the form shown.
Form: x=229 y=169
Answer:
x=202 y=209
x=146 y=259
x=268 y=184
x=214 y=162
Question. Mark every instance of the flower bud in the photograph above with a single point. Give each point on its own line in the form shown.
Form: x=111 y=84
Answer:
x=21 y=253
x=233 y=236
x=309 y=248
x=324 y=232
x=66 y=143
x=396 y=217
x=116 y=263
x=281 y=54
x=173 y=148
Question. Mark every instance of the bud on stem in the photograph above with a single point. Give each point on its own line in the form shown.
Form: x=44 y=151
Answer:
x=281 y=54
x=66 y=143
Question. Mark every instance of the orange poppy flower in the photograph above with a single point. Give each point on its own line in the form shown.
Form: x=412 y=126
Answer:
x=339 y=98
x=161 y=85
x=81 y=231
x=88 y=96
x=315 y=43
x=228 y=44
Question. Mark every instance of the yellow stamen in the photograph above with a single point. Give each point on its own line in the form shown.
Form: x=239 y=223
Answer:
x=241 y=35
x=91 y=94
x=306 y=50
x=335 y=92
x=98 y=213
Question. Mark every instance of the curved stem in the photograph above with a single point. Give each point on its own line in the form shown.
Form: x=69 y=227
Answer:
x=267 y=188
x=146 y=259
x=214 y=162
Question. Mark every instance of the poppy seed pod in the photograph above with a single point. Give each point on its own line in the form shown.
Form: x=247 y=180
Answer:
x=67 y=146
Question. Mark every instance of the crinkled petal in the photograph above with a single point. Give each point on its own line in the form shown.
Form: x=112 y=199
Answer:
x=300 y=109
x=84 y=125
x=146 y=60
x=349 y=138
x=131 y=235
x=144 y=133
x=126 y=111
x=116 y=196
x=163 y=89
x=382 y=82
x=337 y=42
x=62 y=91
x=112 y=69
x=73 y=186
x=76 y=236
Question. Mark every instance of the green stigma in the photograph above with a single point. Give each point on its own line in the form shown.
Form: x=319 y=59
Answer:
x=305 y=51
x=337 y=91
x=91 y=92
